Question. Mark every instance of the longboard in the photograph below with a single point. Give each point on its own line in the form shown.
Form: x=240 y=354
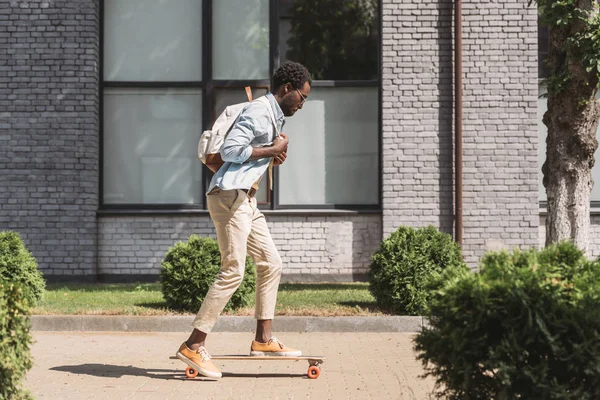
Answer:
x=314 y=362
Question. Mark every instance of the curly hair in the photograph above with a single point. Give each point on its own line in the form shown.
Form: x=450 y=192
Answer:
x=292 y=72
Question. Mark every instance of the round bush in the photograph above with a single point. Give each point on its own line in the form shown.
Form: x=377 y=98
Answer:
x=190 y=268
x=525 y=327
x=15 y=339
x=19 y=266
x=404 y=268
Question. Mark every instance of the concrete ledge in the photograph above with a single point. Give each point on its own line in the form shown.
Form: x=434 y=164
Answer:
x=154 y=278
x=123 y=323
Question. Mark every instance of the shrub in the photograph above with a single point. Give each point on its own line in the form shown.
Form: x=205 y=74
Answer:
x=14 y=340
x=190 y=268
x=406 y=265
x=19 y=266
x=526 y=326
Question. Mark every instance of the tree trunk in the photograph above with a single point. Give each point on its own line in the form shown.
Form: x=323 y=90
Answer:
x=572 y=121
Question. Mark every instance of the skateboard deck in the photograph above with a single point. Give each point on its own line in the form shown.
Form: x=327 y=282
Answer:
x=314 y=362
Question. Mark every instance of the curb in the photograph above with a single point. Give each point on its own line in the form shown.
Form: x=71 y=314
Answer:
x=123 y=323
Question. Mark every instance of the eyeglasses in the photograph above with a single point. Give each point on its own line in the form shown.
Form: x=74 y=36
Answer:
x=301 y=95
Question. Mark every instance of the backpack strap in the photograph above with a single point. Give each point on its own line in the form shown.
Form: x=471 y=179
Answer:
x=267 y=104
x=265 y=101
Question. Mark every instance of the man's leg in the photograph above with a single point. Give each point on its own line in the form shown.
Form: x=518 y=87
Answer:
x=231 y=213
x=263 y=330
x=268 y=274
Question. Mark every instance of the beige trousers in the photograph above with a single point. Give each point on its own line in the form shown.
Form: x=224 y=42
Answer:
x=241 y=228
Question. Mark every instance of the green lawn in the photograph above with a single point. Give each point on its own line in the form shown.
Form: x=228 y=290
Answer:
x=147 y=299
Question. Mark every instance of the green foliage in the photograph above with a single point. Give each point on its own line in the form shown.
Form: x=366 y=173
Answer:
x=408 y=265
x=19 y=266
x=14 y=340
x=578 y=28
x=335 y=39
x=526 y=326
x=189 y=269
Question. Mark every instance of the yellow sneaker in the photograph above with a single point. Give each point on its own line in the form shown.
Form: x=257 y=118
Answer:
x=273 y=348
x=199 y=360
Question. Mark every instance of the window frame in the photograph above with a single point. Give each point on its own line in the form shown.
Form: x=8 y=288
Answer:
x=208 y=86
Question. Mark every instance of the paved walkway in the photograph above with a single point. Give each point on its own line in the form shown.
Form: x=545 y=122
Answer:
x=111 y=365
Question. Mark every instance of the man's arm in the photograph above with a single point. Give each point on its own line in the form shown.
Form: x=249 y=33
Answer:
x=279 y=147
x=237 y=148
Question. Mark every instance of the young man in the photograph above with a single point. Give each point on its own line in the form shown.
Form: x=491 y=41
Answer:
x=252 y=147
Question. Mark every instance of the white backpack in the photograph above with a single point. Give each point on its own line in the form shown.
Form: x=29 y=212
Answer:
x=212 y=139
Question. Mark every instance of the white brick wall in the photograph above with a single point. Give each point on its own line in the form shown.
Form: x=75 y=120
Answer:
x=500 y=200
x=312 y=247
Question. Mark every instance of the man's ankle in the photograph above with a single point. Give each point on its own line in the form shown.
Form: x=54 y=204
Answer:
x=194 y=346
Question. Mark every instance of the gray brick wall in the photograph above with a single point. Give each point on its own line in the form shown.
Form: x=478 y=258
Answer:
x=417 y=114
x=313 y=248
x=594 y=244
x=500 y=200
x=49 y=144
x=500 y=123
x=49 y=113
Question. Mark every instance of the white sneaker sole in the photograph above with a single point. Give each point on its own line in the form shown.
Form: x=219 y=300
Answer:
x=297 y=353
x=201 y=371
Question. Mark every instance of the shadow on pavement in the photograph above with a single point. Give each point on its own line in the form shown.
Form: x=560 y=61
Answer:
x=235 y=375
x=117 y=371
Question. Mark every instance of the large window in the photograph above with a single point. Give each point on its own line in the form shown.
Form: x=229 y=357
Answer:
x=153 y=94
x=543 y=73
x=334 y=140
x=171 y=67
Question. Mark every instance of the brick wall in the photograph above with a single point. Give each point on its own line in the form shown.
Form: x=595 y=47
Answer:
x=49 y=144
x=417 y=114
x=313 y=248
x=594 y=238
x=500 y=124
x=500 y=197
x=49 y=130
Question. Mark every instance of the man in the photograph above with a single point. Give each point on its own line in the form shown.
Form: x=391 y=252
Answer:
x=251 y=148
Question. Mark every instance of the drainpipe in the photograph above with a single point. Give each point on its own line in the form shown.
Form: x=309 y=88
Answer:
x=458 y=167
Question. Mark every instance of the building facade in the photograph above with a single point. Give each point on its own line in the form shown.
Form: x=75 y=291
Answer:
x=103 y=103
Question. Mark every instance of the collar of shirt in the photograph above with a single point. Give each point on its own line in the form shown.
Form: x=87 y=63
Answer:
x=279 y=117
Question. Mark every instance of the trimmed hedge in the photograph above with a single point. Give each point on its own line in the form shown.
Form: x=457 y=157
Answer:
x=526 y=326
x=15 y=339
x=19 y=266
x=189 y=269
x=406 y=264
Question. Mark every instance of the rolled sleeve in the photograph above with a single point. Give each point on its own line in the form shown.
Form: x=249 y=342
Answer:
x=237 y=146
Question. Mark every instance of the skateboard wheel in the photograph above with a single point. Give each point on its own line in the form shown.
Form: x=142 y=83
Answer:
x=191 y=372
x=314 y=372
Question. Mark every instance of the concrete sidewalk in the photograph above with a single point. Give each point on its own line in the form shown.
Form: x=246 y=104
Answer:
x=128 y=323
x=119 y=365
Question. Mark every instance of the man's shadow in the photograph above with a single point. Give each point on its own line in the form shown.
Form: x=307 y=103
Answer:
x=118 y=371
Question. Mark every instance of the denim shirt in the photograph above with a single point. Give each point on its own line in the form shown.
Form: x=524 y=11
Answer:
x=253 y=128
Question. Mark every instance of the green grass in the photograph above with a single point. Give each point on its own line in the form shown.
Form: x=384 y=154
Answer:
x=147 y=299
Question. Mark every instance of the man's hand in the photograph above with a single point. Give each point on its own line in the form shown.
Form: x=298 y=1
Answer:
x=278 y=160
x=279 y=146
x=281 y=141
